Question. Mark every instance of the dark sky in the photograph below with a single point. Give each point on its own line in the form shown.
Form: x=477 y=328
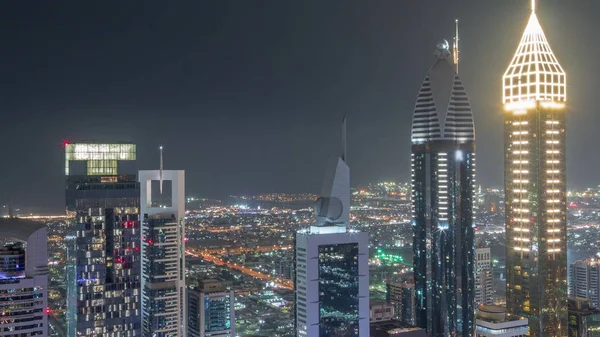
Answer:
x=247 y=96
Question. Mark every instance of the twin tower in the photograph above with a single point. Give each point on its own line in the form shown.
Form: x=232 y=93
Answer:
x=443 y=178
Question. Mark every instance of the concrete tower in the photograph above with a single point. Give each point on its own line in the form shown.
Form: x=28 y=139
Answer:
x=163 y=253
x=332 y=265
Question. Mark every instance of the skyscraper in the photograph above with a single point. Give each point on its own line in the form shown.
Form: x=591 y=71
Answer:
x=584 y=281
x=534 y=96
x=210 y=310
x=163 y=253
x=483 y=276
x=401 y=294
x=23 y=278
x=102 y=195
x=443 y=177
x=332 y=267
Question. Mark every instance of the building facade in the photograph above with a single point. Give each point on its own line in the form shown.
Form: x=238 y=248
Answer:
x=210 y=310
x=584 y=281
x=534 y=96
x=163 y=253
x=584 y=320
x=492 y=321
x=401 y=295
x=102 y=196
x=23 y=278
x=483 y=276
x=332 y=267
x=443 y=179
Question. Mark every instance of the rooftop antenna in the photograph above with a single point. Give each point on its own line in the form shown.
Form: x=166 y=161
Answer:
x=344 y=138
x=455 y=50
x=161 y=167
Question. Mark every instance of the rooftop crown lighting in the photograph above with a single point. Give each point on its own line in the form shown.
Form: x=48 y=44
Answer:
x=534 y=73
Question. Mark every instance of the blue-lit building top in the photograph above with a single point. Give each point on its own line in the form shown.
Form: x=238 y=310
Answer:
x=443 y=177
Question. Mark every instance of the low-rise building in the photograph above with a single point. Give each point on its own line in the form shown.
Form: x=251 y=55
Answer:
x=492 y=321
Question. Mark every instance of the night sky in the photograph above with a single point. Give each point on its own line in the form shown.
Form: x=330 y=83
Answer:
x=248 y=96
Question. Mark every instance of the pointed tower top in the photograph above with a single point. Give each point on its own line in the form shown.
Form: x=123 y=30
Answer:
x=534 y=73
x=455 y=50
x=161 y=168
x=344 y=138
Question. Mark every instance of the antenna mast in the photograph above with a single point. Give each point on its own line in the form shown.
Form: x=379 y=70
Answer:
x=455 y=50
x=161 y=167
x=344 y=138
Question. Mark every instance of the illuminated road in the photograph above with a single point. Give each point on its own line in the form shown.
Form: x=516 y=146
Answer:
x=286 y=284
x=240 y=250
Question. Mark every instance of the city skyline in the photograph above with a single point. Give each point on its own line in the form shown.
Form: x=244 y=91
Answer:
x=379 y=107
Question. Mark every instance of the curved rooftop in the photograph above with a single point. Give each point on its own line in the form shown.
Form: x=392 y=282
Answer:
x=442 y=110
x=19 y=229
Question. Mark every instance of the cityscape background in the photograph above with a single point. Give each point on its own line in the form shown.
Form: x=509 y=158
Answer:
x=238 y=93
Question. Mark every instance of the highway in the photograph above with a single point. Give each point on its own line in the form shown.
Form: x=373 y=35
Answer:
x=286 y=284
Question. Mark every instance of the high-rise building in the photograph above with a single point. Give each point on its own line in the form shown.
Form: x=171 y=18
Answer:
x=23 y=278
x=332 y=267
x=163 y=253
x=584 y=320
x=401 y=295
x=381 y=311
x=483 y=276
x=210 y=310
x=102 y=195
x=584 y=281
x=443 y=179
x=534 y=97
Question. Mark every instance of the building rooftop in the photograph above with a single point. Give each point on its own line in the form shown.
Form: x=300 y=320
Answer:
x=18 y=229
x=395 y=328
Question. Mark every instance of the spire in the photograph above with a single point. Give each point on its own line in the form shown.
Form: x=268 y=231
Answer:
x=161 y=167
x=534 y=73
x=344 y=138
x=455 y=51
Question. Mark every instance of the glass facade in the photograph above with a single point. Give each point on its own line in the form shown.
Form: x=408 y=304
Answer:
x=103 y=196
x=338 y=290
x=443 y=175
x=108 y=274
x=12 y=262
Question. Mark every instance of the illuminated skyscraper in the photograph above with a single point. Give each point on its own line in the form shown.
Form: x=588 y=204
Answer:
x=534 y=96
x=102 y=194
x=210 y=310
x=163 y=253
x=23 y=278
x=443 y=177
x=332 y=265
x=483 y=276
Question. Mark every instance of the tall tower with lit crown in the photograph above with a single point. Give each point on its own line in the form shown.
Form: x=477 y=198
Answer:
x=534 y=96
x=443 y=178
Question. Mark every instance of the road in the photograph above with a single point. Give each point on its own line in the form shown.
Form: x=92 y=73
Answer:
x=241 y=250
x=286 y=284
